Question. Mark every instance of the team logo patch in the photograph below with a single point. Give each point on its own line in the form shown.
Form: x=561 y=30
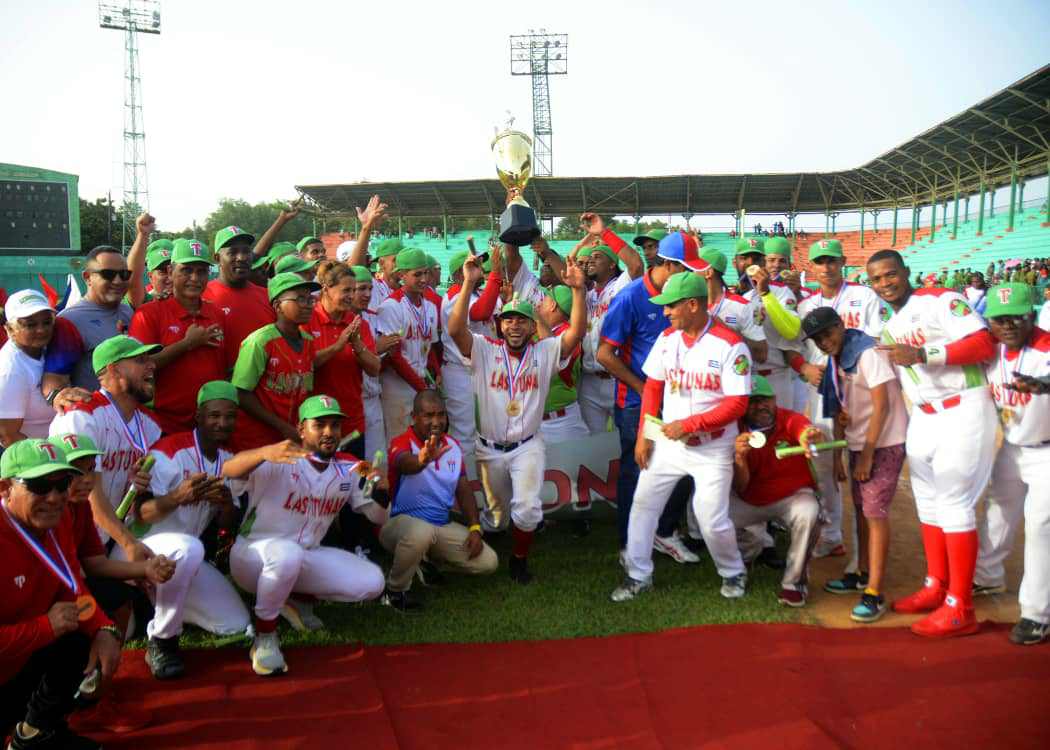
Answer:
x=741 y=366
x=48 y=450
x=196 y=248
x=791 y=304
x=752 y=243
x=71 y=441
x=959 y=308
x=823 y=244
x=325 y=401
x=884 y=313
x=1004 y=296
x=20 y=581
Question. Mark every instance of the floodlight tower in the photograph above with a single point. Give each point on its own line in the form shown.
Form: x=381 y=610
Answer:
x=540 y=55
x=132 y=17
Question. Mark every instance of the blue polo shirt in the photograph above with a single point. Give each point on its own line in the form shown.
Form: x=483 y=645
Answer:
x=632 y=325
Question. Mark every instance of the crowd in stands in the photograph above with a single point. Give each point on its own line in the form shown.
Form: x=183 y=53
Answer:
x=211 y=432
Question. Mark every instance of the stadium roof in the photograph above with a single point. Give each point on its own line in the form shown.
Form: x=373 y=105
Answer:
x=1009 y=130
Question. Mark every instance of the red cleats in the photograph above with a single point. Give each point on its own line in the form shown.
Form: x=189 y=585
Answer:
x=927 y=599
x=950 y=620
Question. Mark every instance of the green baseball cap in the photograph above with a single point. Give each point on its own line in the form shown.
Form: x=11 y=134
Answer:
x=455 y=263
x=748 y=245
x=825 y=249
x=215 y=390
x=319 y=406
x=685 y=285
x=519 y=307
x=761 y=387
x=411 y=259
x=275 y=253
x=304 y=242
x=432 y=261
x=390 y=246
x=28 y=459
x=293 y=264
x=653 y=234
x=190 y=251
x=1013 y=298
x=226 y=235
x=361 y=273
x=282 y=282
x=778 y=246
x=157 y=257
x=117 y=348
x=562 y=296
x=75 y=446
x=714 y=258
x=160 y=244
x=603 y=249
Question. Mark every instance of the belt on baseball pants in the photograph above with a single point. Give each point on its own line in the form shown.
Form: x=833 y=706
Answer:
x=764 y=373
x=554 y=414
x=504 y=447
x=698 y=440
x=936 y=406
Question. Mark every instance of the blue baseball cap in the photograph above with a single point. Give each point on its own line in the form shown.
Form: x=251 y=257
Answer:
x=682 y=248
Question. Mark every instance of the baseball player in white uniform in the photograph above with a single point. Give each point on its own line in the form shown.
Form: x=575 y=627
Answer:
x=294 y=494
x=511 y=379
x=186 y=494
x=940 y=347
x=1020 y=486
x=860 y=308
x=699 y=372
x=410 y=313
x=562 y=419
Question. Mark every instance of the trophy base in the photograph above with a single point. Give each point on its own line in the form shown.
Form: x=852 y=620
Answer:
x=518 y=226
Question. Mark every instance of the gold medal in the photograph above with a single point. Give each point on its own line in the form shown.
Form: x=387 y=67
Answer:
x=674 y=386
x=1006 y=416
x=514 y=408
x=86 y=607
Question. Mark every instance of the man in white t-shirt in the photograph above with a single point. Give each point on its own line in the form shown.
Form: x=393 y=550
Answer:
x=24 y=412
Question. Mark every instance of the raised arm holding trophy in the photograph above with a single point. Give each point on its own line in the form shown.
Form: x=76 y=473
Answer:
x=512 y=150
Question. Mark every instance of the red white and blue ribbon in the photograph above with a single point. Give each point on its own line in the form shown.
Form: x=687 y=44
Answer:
x=678 y=345
x=517 y=371
x=201 y=464
x=1003 y=370
x=63 y=573
x=136 y=419
x=835 y=302
x=421 y=318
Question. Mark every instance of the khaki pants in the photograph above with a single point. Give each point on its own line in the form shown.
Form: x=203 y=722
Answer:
x=799 y=512
x=411 y=539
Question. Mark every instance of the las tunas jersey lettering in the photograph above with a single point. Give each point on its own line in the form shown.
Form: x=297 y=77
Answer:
x=418 y=325
x=857 y=305
x=121 y=443
x=739 y=315
x=177 y=458
x=299 y=501
x=777 y=343
x=697 y=375
x=1025 y=418
x=935 y=318
x=428 y=495
x=500 y=377
x=598 y=301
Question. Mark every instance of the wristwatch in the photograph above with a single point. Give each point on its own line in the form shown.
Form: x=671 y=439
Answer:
x=50 y=398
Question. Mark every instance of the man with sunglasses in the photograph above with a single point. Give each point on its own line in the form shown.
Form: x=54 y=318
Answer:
x=100 y=315
x=1020 y=484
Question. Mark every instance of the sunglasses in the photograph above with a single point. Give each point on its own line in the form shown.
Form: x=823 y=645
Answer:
x=109 y=274
x=45 y=485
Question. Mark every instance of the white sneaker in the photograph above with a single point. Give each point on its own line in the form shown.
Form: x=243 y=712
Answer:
x=734 y=587
x=300 y=615
x=267 y=658
x=675 y=548
x=629 y=589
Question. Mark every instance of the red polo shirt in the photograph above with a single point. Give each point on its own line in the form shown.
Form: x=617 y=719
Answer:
x=247 y=310
x=165 y=322
x=340 y=377
x=773 y=478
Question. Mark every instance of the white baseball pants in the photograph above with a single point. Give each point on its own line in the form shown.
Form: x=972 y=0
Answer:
x=564 y=429
x=397 y=401
x=711 y=467
x=197 y=593
x=597 y=397
x=459 y=403
x=800 y=512
x=375 y=430
x=275 y=568
x=950 y=456
x=513 y=478
x=824 y=467
x=1020 y=487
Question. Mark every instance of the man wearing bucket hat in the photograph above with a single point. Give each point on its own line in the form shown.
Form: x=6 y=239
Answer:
x=121 y=429
x=410 y=312
x=562 y=421
x=191 y=332
x=511 y=379
x=698 y=379
x=295 y=490
x=1020 y=485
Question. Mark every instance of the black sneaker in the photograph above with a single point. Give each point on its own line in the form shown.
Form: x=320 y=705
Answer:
x=59 y=738
x=400 y=601
x=850 y=583
x=769 y=557
x=428 y=574
x=1029 y=632
x=164 y=659
x=519 y=570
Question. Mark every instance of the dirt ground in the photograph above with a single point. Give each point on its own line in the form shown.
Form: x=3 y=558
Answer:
x=906 y=569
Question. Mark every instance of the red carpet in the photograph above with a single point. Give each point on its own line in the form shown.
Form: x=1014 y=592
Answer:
x=739 y=686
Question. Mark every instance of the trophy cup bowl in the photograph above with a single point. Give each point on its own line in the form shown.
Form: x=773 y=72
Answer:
x=512 y=151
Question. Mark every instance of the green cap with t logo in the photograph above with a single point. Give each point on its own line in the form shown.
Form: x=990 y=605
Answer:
x=28 y=459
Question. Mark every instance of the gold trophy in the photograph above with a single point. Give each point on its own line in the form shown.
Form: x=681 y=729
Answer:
x=512 y=150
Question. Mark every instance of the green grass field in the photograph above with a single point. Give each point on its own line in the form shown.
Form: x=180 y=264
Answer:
x=568 y=599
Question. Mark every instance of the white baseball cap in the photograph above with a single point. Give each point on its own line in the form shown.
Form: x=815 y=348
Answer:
x=25 y=303
x=342 y=253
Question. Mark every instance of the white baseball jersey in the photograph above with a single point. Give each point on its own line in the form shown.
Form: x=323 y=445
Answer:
x=1044 y=316
x=418 y=324
x=177 y=457
x=858 y=306
x=777 y=343
x=598 y=301
x=370 y=385
x=480 y=327
x=500 y=378
x=380 y=291
x=738 y=314
x=526 y=285
x=697 y=376
x=1025 y=418
x=299 y=501
x=934 y=318
x=121 y=443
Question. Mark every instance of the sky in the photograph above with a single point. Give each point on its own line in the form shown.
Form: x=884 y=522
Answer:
x=248 y=100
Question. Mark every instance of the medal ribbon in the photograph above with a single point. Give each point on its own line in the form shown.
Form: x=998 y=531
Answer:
x=200 y=457
x=517 y=371
x=421 y=317
x=64 y=573
x=836 y=383
x=1003 y=370
x=136 y=418
x=678 y=346
x=835 y=302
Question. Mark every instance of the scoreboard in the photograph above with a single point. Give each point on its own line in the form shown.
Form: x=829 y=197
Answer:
x=39 y=211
